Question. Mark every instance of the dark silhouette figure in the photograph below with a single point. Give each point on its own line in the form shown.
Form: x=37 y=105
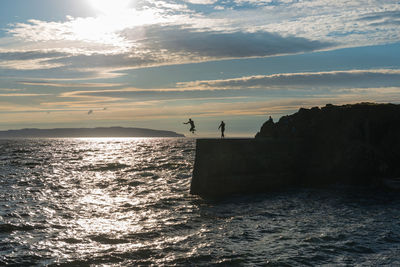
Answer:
x=192 y=127
x=222 y=127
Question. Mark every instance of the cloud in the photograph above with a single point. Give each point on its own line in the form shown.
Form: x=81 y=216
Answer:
x=87 y=35
x=82 y=102
x=329 y=21
x=381 y=15
x=120 y=96
x=213 y=44
x=201 y=2
x=29 y=60
x=61 y=73
x=33 y=64
x=162 y=7
x=21 y=95
x=363 y=85
x=171 y=32
x=10 y=90
x=254 y=2
x=387 y=18
x=313 y=84
x=56 y=53
x=332 y=79
x=29 y=55
x=162 y=45
x=124 y=60
x=70 y=85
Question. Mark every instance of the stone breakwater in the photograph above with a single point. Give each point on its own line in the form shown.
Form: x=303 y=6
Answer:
x=349 y=144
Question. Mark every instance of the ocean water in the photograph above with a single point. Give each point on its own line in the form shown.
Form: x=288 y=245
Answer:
x=126 y=202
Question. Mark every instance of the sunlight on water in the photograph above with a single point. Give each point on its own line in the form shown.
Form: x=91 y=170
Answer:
x=100 y=194
x=117 y=199
x=126 y=202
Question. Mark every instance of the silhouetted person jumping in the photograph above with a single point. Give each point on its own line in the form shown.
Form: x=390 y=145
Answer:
x=192 y=127
x=222 y=127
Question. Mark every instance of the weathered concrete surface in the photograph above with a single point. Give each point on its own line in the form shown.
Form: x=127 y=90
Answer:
x=228 y=166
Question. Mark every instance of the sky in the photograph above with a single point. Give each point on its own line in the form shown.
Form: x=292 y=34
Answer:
x=154 y=64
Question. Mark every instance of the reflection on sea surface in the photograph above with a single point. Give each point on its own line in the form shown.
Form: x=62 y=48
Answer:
x=126 y=202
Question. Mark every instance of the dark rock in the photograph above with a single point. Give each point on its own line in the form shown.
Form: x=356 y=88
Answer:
x=355 y=143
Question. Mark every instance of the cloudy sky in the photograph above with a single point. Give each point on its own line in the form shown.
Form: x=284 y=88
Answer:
x=154 y=64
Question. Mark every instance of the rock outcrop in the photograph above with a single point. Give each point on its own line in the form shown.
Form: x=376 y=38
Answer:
x=351 y=144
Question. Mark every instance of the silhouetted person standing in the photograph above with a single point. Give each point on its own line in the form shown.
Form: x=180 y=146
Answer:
x=192 y=127
x=222 y=127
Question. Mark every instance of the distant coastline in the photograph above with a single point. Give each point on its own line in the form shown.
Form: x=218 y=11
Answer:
x=87 y=132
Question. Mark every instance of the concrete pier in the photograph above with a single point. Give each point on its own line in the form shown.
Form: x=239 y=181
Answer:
x=351 y=144
x=229 y=166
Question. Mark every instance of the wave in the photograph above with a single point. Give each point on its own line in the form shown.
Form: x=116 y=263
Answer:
x=105 y=167
x=9 y=228
x=106 y=239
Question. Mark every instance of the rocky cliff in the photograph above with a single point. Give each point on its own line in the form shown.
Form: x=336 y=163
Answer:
x=350 y=143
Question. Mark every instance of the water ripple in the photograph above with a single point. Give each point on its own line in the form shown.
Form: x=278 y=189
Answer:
x=124 y=202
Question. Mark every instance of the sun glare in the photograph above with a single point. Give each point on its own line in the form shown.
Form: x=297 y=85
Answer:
x=110 y=6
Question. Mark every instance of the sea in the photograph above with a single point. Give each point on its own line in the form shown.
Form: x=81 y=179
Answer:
x=126 y=202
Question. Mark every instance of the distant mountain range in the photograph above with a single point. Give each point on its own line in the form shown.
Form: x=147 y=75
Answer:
x=87 y=132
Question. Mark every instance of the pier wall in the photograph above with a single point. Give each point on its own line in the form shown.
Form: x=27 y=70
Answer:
x=229 y=166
